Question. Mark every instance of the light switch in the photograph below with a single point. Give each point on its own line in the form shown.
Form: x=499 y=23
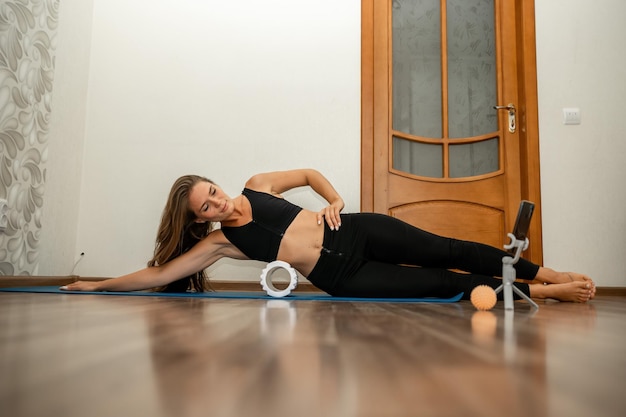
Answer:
x=571 y=116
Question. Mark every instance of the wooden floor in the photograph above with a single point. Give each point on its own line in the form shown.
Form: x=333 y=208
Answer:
x=96 y=355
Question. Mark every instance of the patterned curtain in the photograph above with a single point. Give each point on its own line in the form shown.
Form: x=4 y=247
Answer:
x=27 y=43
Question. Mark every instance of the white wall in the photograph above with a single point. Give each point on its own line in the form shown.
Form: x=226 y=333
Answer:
x=66 y=139
x=227 y=89
x=222 y=89
x=581 y=61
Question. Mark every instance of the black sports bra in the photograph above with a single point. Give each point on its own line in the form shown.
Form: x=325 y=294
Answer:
x=271 y=216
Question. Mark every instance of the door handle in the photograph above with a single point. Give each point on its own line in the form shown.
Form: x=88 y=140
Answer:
x=511 y=108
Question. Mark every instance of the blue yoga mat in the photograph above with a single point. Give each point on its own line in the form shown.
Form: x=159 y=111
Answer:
x=236 y=294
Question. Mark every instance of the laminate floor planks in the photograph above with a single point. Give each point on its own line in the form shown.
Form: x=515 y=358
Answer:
x=83 y=355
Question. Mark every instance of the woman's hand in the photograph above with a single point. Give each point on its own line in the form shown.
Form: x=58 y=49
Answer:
x=281 y=181
x=81 y=286
x=331 y=214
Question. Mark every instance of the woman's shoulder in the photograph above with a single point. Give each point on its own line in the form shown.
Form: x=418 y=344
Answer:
x=260 y=183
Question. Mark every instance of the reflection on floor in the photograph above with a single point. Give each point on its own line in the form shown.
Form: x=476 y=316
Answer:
x=92 y=355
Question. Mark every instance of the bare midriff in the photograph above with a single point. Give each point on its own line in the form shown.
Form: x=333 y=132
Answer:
x=302 y=243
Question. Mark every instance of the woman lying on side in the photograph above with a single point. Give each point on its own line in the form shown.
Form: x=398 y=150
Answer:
x=355 y=255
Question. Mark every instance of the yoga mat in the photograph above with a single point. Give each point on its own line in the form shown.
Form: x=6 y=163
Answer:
x=236 y=294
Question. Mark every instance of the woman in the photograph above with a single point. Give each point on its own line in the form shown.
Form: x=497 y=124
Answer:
x=362 y=254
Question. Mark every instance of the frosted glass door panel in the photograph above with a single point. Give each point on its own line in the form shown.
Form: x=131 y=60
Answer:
x=423 y=159
x=472 y=88
x=471 y=159
x=416 y=48
x=444 y=88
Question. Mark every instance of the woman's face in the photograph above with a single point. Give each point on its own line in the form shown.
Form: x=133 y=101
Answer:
x=209 y=203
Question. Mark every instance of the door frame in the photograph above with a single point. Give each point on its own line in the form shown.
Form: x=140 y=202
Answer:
x=527 y=112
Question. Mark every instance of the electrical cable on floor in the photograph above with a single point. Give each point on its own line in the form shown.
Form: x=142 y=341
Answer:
x=77 y=262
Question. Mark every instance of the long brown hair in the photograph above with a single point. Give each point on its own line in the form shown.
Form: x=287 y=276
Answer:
x=179 y=232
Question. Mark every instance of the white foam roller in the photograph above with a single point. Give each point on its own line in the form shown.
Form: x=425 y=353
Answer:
x=266 y=279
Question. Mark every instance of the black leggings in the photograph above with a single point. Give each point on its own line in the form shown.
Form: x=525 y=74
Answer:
x=374 y=255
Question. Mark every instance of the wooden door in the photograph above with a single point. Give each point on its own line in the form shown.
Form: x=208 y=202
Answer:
x=435 y=150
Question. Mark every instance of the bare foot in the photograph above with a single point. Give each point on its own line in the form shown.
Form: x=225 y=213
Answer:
x=575 y=276
x=550 y=276
x=574 y=291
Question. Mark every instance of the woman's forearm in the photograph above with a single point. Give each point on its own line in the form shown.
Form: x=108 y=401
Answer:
x=323 y=187
x=143 y=279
